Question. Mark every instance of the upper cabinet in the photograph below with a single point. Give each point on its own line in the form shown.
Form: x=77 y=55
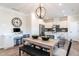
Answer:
x=62 y=22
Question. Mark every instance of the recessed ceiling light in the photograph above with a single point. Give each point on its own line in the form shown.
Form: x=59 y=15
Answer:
x=63 y=11
x=60 y=4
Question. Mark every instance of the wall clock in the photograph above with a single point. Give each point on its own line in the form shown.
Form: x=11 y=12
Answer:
x=16 y=22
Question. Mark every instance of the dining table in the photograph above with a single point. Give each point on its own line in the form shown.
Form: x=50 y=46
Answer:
x=50 y=44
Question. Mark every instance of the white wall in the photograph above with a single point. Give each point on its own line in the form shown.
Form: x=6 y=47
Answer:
x=41 y=21
x=48 y=25
x=35 y=24
x=6 y=15
x=73 y=27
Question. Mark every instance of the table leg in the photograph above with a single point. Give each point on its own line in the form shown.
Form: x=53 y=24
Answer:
x=51 y=51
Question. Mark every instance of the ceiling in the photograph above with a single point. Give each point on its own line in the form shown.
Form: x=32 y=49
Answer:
x=52 y=9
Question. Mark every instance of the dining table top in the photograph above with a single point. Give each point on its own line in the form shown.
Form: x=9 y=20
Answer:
x=50 y=42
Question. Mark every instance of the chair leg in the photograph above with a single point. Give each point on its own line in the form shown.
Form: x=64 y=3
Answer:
x=58 y=45
x=19 y=52
x=68 y=49
x=23 y=52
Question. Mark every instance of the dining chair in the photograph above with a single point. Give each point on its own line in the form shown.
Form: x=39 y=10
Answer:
x=61 y=43
x=62 y=39
x=62 y=51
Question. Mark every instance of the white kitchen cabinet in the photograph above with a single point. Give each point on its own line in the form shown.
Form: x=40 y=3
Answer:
x=6 y=41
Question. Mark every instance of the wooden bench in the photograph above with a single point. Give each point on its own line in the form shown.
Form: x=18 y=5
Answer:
x=33 y=51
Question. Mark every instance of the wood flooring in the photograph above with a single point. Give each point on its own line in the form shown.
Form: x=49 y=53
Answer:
x=14 y=51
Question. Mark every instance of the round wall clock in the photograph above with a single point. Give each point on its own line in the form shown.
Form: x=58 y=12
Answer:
x=16 y=22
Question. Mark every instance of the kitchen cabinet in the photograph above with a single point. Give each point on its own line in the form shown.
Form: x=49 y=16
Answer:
x=6 y=41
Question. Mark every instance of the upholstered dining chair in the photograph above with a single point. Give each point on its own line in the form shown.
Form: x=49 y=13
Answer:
x=61 y=43
x=62 y=51
x=62 y=40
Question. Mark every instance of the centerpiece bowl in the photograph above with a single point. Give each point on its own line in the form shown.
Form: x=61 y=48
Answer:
x=35 y=36
x=45 y=38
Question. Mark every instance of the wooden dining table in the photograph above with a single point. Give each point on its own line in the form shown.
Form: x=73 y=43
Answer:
x=50 y=44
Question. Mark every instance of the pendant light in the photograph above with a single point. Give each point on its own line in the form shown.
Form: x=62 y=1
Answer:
x=40 y=12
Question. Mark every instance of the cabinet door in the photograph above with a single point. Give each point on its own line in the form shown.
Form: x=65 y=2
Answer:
x=8 y=42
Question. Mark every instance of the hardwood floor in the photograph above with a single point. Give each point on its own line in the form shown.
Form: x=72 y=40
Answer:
x=11 y=52
x=15 y=51
x=74 y=51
